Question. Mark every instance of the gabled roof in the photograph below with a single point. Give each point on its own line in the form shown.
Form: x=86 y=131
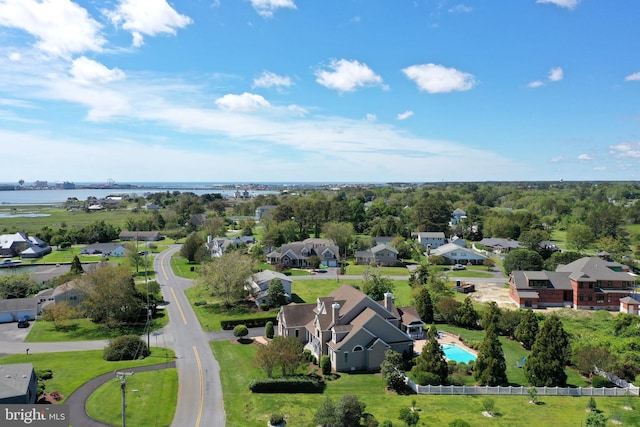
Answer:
x=493 y=242
x=18 y=304
x=296 y=249
x=268 y=276
x=16 y=379
x=451 y=247
x=594 y=268
x=102 y=247
x=630 y=300
x=555 y=280
x=429 y=234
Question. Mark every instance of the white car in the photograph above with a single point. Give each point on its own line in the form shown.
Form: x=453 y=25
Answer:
x=458 y=267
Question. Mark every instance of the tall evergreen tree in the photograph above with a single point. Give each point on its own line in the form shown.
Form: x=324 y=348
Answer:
x=76 y=266
x=432 y=359
x=424 y=305
x=491 y=316
x=527 y=329
x=467 y=316
x=549 y=355
x=490 y=368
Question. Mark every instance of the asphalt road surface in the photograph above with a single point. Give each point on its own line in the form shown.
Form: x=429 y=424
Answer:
x=200 y=401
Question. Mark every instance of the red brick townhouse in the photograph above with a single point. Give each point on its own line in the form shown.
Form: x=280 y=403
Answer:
x=590 y=283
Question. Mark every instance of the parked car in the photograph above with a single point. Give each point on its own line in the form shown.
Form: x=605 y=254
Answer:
x=23 y=323
x=458 y=267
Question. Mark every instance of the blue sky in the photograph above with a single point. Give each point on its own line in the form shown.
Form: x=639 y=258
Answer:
x=319 y=91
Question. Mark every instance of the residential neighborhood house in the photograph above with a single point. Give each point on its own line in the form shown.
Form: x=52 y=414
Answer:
x=381 y=254
x=458 y=216
x=217 y=246
x=19 y=384
x=351 y=328
x=15 y=309
x=23 y=245
x=259 y=284
x=298 y=254
x=588 y=283
x=104 y=249
x=453 y=253
x=68 y=292
x=500 y=245
x=430 y=239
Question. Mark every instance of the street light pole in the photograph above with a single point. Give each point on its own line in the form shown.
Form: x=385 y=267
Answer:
x=123 y=387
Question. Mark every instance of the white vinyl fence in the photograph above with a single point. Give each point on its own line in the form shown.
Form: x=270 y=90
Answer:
x=522 y=391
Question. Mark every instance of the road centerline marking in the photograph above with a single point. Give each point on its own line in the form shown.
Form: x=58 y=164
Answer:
x=175 y=298
x=201 y=405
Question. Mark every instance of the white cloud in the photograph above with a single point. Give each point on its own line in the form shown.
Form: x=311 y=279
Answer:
x=346 y=76
x=300 y=111
x=626 y=150
x=61 y=26
x=87 y=72
x=405 y=115
x=245 y=102
x=585 y=157
x=461 y=8
x=569 y=4
x=556 y=74
x=633 y=77
x=435 y=78
x=268 y=79
x=266 y=8
x=371 y=117
x=535 y=84
x=557 y=159
x=147 y=17
x=15 y=56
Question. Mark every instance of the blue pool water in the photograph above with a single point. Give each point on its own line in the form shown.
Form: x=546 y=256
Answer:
x=459 y=354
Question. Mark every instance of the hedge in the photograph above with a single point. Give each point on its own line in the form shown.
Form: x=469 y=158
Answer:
x=255 y=322
x=302 y=384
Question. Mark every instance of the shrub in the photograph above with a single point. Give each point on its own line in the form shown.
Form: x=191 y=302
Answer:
x=268 y=330
x=325 y=365
x=598 y=381
x=41 y=387
x=240 y=331
x=45 y=374
x=426 y=378
x=125 y=347
x=253 y=322
x=199 y=303
x=301 y=384
x=276 y=419
x=459 y=423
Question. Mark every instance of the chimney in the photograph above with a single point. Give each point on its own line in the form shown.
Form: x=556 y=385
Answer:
x=388 y=301
x=335 y=313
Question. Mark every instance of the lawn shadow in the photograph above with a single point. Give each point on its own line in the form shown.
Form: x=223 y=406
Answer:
x=295 y=298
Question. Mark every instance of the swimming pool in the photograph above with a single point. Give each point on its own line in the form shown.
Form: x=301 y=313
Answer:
x=459 y=354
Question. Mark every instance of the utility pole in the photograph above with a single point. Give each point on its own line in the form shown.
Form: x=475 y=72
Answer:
x=123 y=387
x=146 y=282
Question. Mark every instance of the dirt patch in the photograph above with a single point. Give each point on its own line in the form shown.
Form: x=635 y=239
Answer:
x=486 y=292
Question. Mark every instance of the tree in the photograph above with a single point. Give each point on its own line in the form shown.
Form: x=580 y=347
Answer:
x=447 y=308
x=490 y=368
x=275 y=294
x=376 y=286
x=266 y=358
x=563 y=257
x=533 y=395
x=491 y=316
x=596 y=419
x=392 y=370
x=226 y=276
x=17 y=286
x=549 y=355
x=431 y=359
x=489 y=405
x=76 y=266
x=110 y=296
x=325 y=365
x=125 y=347
x=579 y=236
x=268 y=330
x=59 y=313
x=467 y=316
x=523 y=259
x=340 y=232
x=289 y=351
x=527 y=330
x=133 y=256
x=410 y=418
x=424 y=305
x=240 y=331
x=531 y=239
x=585 y=359
x=193 y=248
x=347 y=412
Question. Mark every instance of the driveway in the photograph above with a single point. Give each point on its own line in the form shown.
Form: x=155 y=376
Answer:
x=9 y=332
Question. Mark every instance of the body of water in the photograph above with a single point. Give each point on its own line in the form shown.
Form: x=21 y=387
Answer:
x=459 y=354
x=56 y=196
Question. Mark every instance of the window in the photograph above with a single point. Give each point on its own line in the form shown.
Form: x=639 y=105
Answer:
x=599 y=283
x=580 y=285
x=580 y=297
x=590 y=297
x=358 y=348
x=297 y=333
x=599 y=298
x=590 y=285
x=346 y=357
x=609 y=283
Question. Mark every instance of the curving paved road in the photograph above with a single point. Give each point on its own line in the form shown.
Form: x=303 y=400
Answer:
x=200 y=401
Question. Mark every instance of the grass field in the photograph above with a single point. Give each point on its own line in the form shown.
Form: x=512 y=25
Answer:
x=244 y=409
x=358 y=270
x=151 y=399
x=74 y=368
x=86 y=330
x=59 y=217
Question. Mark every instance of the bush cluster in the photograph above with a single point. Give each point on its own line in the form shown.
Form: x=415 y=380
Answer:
x=255 y=322
x=126 y=347
x=299 y=384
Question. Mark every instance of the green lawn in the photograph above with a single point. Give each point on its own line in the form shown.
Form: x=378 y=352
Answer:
x=182 y=268
x=86 y=330
x=151 y=399
x=310 y=290
x=244 y=409
x=74 y=368
x=469 y=273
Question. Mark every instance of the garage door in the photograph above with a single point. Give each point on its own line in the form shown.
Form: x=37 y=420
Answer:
x=6 y=317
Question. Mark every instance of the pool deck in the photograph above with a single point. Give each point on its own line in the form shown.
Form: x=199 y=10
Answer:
x=444 y=338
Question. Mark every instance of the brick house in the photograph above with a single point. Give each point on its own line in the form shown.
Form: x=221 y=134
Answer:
x=590 y=283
